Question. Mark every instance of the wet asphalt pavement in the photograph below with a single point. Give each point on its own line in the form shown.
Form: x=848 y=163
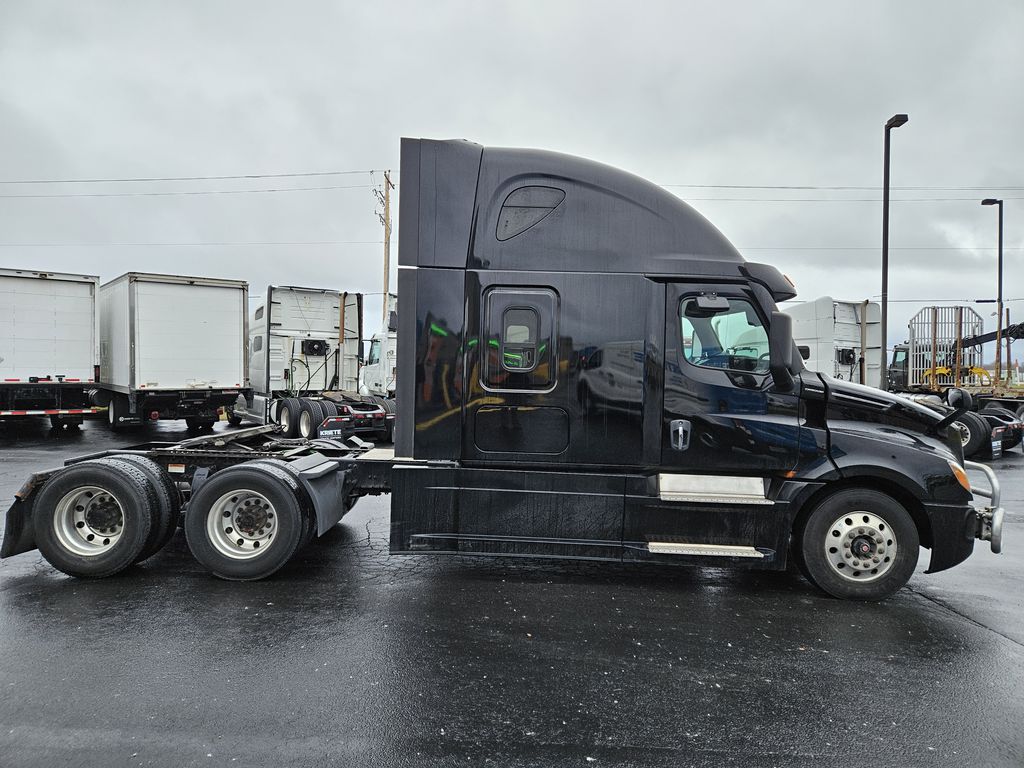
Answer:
x=352 y=656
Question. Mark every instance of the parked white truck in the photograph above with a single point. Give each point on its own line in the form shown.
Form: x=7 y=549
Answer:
x=377 y=376
x=842 y=339
x=49 y=340
x=171 y=347
x=304 y=346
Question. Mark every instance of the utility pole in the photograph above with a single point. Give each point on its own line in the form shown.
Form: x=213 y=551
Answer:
x=385 y=219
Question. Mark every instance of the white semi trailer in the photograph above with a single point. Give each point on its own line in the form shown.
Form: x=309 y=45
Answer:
x=304 y=348
x=171 y=347
x=842 y=339
x=49 y=341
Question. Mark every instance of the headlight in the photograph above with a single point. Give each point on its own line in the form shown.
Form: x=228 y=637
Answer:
x=960 y=474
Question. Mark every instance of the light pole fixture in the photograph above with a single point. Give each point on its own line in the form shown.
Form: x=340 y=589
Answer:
x=999 y=292
x=893 y=122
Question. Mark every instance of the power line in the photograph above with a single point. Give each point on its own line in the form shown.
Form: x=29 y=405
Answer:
x=834 y=199
x=379 y=242
x=297 y=175
x=190 y=192
x=313 y=174
x=190 y=245
x=841 y=188
x=872 y=248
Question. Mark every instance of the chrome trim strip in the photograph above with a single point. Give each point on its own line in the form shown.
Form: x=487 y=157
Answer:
x=703 y=550
x=713 y=489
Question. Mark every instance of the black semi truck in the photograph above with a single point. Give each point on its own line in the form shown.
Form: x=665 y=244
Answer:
x=587 y=369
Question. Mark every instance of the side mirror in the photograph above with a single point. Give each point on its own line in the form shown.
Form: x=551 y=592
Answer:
x=780 y=351
x=959 y=399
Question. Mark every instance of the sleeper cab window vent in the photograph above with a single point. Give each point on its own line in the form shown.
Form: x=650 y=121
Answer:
x=525 y=207
x=259 y=314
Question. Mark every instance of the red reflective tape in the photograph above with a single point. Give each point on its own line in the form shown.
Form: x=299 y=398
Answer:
x=72 y=380
x=12 y=379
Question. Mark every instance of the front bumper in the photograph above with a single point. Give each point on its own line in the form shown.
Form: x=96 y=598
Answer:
x=990 y=517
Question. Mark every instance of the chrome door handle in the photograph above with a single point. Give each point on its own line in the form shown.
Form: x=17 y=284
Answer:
x=679 y=432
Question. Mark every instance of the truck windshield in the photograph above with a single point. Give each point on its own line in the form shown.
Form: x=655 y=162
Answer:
x=732 y=339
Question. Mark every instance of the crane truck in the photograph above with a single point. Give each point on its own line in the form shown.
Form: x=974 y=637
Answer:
x=515 y=266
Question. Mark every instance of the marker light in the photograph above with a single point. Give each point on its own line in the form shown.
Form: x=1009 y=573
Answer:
x=960 y=475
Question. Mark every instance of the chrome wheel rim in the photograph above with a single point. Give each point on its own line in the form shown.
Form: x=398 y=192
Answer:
x=88 y=520
x=241 y=524
x=284 y=418
x=860 y=547
x=305 y=424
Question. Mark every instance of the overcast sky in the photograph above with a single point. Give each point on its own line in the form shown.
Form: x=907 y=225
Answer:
x=683 y=93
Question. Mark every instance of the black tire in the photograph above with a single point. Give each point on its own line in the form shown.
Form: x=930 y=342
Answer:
x=862 y=518
x=330 y=408
x=117 y=409
x=290 y=475
x=315 y=417
x=126 y=485
x=233 y=420
x=165 y=523
x=197 y=424
x=288 y=416
x=979 y=433
x=65 y=422
x=797 y=556
x=998 y=410
x=286 y=537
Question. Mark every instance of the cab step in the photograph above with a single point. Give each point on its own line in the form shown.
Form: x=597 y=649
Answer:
x=703 y=550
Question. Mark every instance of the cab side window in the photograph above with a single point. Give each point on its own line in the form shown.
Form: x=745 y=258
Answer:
x=726 y=334
x=519 y=329
x=374 y=352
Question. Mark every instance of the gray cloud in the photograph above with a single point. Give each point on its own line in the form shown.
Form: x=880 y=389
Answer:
x=682 y=93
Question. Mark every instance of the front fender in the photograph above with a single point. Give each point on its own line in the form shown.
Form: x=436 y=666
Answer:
x=919 y=464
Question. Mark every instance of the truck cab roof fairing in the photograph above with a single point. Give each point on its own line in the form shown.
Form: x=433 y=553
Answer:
x=466 y=206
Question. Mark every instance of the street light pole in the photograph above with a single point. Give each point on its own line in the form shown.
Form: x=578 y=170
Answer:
x=999 y=293
x=893 y=122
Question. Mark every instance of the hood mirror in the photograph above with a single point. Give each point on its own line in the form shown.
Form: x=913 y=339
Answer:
x=959 y=399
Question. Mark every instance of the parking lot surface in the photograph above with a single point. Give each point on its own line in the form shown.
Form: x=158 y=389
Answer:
x=352 y=656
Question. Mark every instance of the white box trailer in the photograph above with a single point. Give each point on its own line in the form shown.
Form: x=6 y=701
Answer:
x=843 y=338
x=49 y=339
x=172 y=347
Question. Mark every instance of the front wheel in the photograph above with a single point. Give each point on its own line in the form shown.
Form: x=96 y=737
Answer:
x=859 y=545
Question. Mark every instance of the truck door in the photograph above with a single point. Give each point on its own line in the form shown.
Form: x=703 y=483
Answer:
x=724 y=432
x=721 y=413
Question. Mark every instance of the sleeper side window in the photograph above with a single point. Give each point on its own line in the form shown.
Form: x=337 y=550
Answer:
x=257 y=343
x=519 y=329
x=259 y=314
